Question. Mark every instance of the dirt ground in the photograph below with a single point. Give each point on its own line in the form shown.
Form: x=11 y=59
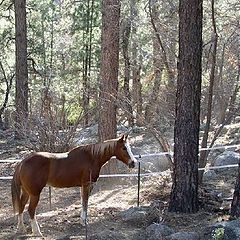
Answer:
x=110 y=198
x=62 y=220
x=105 y=206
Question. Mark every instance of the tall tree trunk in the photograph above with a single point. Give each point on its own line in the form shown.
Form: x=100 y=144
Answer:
x=203 y=154
x=184 y=194
x=45 y=80
x=158 y=65
x=8 y=88
x=51 y=64
x=235 y=206
x=169 y=71
x=109 y=69
x=233 y=109
x=21 y=95
x=219 y=101
x=170 y=86
x=87 y=36
x=136 y=66
x=126 y=30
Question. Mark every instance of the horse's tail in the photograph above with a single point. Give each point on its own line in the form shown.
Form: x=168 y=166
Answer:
x=16 y=190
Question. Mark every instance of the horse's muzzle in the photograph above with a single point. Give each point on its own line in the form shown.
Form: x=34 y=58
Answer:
x=131 y=164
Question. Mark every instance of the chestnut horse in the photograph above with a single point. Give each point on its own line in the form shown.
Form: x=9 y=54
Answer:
x=78 y=167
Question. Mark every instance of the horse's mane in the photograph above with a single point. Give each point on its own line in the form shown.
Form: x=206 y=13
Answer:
x=106 y=147
x=99 y=149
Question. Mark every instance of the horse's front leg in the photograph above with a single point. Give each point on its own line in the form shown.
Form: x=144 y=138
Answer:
x=32 y=212
x=85 y=193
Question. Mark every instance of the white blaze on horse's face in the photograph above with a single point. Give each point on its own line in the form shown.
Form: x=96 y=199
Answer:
x=132 y=161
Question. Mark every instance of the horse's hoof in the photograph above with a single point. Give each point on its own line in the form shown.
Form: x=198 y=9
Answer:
x=21 y=231
x=83 y=222
x=38 y=236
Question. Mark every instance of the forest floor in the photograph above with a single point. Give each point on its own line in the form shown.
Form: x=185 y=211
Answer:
x=109 y=198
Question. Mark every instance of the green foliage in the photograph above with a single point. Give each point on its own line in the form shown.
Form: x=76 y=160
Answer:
x=74 y=111
x=56 y=39
x=58 y=34
x=218 y=233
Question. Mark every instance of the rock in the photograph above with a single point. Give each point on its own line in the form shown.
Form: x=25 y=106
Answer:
x=134 y=215
x=138 y=130
x=237 y=119
x=226 y=158
x=213 y=154
x=158 y=231
x=183 y=236
x=108 y=234
x=209 y=174
x=210 y=199
x=227 y=230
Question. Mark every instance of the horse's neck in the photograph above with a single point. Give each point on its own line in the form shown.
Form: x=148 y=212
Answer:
x=104 y=160
x=106 y=153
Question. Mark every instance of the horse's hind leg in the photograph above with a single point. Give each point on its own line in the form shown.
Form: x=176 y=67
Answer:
x=32 y=210
x=23 y=201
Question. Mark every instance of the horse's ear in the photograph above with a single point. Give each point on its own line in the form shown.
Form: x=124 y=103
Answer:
x=124 y=137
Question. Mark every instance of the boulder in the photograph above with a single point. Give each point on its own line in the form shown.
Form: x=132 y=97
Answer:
x=135 y=215
x=158 y=231
x=226 y=158
x=227 y=230
x=183 y=236
x=108 y=234
x=209 y=174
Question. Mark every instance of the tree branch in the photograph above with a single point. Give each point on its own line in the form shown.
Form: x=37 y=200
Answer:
x=165 y=59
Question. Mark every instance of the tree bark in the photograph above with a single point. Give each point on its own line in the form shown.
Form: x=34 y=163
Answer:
x=169 y=70
x=136 y=66
x=126 y=30
x=109 y=69
x=184 y=194
x=87 y=37
x=235 y=206
x=233 y=109
x=158 y=65
x=7 y=93
x=21 y=96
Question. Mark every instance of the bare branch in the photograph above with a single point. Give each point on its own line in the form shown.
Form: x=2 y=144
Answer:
x=165 y=59
x=34 y=66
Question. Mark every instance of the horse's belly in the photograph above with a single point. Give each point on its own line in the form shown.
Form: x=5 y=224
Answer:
x=62 y=181
x=60 y=184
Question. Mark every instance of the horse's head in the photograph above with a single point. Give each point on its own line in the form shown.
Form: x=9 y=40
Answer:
x=124 y=152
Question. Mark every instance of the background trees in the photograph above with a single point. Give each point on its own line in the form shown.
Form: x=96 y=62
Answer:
x=64 y=56
x=64 y=72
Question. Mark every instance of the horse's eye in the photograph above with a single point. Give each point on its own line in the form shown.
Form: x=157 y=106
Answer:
x=124 y=148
